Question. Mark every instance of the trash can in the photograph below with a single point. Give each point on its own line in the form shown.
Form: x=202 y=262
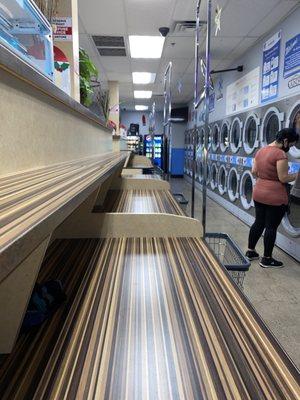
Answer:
x=230 y=256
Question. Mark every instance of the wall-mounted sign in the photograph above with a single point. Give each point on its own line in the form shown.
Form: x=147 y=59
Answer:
x=294 y=82
x=219 y=89
x=62 y=29
x=243 y=93
x=211 y=102
x=292 y=57
x=270 y=72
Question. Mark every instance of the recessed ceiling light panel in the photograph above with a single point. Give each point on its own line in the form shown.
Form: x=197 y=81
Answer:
x=142 y=94
x=143 y=78
x=141 y=108
x=146 y=46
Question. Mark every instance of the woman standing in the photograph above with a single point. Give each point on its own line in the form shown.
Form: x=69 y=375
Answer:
x=270 y=194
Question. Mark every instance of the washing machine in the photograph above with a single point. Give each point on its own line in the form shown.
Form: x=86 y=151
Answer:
x=293 y=121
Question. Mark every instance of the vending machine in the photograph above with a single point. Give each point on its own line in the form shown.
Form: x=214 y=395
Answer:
x=157 y=152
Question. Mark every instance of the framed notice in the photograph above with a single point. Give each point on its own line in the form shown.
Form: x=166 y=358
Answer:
x=270 y=71
x=62 y=29
x=243 y=93
x=292 y=57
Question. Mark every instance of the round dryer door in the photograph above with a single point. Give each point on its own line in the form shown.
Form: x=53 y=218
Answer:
x=293 y=121
x=208 y=173
x=224 y=136
x=251 y=133
x=291 y=221
x=222 y=180
x=271 y=125
x=201 y=138
x=198 y=139
x=246 y=190
x=215 y=137
x=233 y=184
x=200 y=171
x=236 y=135
x=214 y=176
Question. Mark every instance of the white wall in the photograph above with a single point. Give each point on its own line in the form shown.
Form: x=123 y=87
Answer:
x=254 y=58
x=135 y=117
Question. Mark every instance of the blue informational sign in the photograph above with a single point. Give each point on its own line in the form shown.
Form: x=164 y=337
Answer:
x=292 y=57
x=270 y=71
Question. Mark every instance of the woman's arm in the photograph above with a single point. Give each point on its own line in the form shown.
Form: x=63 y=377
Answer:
x=283 y=172
x=254 y=169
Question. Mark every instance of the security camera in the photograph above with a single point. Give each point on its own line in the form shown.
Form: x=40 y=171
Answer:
x=164 y=31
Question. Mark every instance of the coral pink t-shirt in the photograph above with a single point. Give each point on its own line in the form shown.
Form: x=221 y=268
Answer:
x=268 y=189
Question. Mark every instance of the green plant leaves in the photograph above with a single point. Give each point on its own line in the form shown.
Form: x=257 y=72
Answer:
x=87 y=72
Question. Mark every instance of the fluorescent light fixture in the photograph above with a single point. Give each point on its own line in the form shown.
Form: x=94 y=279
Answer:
x=143 y=78
x=142 y=94
x=141 y=108
x=146 y=46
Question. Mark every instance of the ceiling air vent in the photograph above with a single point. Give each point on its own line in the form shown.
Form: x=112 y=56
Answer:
x=109 y=41
x=106 y=52
x=110 y=46
x=187 y=27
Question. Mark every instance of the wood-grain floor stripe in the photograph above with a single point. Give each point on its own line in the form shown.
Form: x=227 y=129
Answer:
x=147 y=319
x=141 y=201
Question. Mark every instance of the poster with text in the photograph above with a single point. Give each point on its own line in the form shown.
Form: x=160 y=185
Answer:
x=62 y=29
x=270 y=71
x=292 y=57
x=243 y=93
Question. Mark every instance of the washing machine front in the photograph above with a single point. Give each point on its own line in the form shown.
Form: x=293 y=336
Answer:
x=251 y=133
x=215 y=137
x=293 y=121
x=233 y=183
x=272 y=123
x=222 y=179
x=224 y=136
x=247 y=183
x=235 y=136
x=213 y=177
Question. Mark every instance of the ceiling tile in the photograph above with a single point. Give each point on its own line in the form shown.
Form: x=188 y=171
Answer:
x=146 y=17
x=105 y=17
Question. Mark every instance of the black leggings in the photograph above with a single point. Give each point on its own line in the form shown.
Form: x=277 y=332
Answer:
x=268 y=218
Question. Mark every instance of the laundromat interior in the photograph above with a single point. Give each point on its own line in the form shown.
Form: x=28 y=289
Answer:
x=128 y=187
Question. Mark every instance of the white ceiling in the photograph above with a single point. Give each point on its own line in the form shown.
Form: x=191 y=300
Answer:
x=243 y=23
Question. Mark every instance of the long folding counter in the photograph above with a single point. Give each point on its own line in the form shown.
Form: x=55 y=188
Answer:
x=152 y=318
x=150 y=314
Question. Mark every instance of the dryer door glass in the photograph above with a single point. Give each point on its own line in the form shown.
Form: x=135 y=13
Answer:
x=248 y=189
x=225 y=135
x=222 y=180
x=234 y=184
x=201 y=138
x=296 y=123
x=272 y=127
x=294 y=216
x=251 y=132
x=236 y=134
x=215 y=136
x=209 y=133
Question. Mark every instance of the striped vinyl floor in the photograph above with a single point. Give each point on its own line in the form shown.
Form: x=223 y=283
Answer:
x=152 y=319
x=142 y=201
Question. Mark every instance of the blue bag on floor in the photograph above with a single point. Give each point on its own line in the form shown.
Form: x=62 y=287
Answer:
x=45 y=300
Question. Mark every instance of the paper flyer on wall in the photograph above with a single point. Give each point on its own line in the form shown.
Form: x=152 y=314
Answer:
x=271 y=65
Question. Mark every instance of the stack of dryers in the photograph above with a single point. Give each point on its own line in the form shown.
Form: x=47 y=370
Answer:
x=233 y=143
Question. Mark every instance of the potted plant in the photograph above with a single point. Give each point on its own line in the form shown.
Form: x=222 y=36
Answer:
x=88 y=72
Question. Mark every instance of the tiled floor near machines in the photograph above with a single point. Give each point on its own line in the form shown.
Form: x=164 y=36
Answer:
x=275 y=294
